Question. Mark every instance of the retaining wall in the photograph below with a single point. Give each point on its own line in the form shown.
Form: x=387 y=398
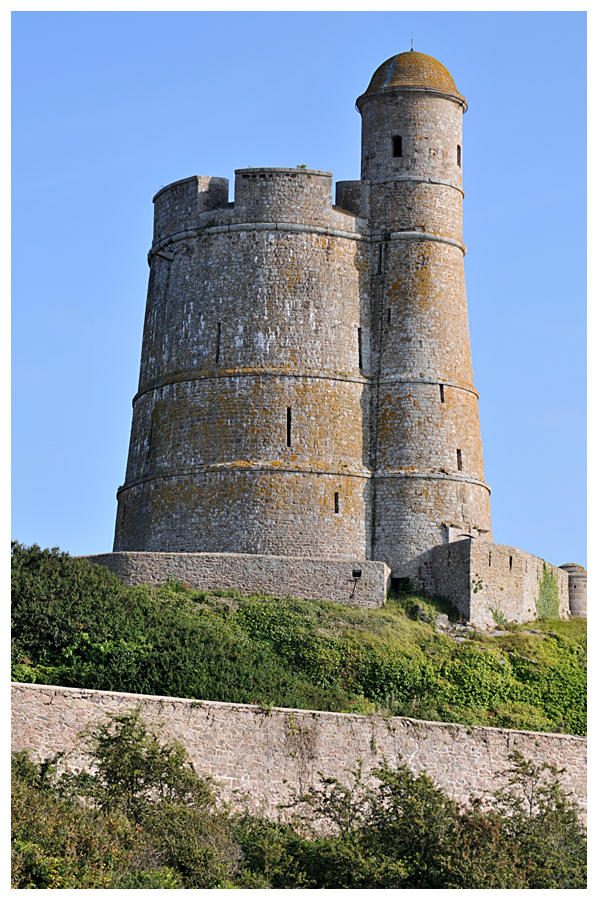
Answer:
x=270 y=754
x=282 y=576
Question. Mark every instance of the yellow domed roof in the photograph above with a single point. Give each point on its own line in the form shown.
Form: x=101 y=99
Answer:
x=413 y=70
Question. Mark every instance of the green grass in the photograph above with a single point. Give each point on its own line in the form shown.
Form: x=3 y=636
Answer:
x=77 y=625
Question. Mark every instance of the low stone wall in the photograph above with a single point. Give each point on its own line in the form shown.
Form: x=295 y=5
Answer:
x=271 y=754
x=282 y=576
x=479 y=576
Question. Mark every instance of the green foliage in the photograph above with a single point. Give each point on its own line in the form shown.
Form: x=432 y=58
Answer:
x=142 y=818
x=405 y=833
x=499 y=618
x=547 y=604
x=77 y=625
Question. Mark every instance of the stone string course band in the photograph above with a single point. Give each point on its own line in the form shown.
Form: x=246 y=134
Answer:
x=304 y=229
x=272 y=754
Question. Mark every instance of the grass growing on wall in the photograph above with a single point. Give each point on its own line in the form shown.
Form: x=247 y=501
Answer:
x=77 y=625
x=547 y=604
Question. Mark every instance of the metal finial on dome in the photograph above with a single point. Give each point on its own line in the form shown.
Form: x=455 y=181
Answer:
x=412 y=40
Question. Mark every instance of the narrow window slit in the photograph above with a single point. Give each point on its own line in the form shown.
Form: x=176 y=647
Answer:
x=218 y=333
x=288 y=426
x=397 y=145
x=389 y=315
x=510 y=562
x=149 y=440
x=459 y=155
x=490 y=558
x=442 y=393
x=379 y=258
x=336 y=502
x=359 y=348
x=459 y=460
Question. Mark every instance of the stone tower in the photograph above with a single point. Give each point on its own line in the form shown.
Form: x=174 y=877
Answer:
x=426 y=444
x=306 y=422
x=251 y=428
x=306 y=384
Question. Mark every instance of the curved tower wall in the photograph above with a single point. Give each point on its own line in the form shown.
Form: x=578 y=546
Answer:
x=427 y=451
x=253 y=311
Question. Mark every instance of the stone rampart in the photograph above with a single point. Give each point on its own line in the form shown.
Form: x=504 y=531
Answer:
x=283 y=576
x=479 y=576
x=270 y=754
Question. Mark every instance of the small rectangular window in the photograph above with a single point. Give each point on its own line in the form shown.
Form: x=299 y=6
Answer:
x=442 y=394
x=218 y=333
x=359 y=348
x=379 y=258
x=389 y=315
x=336 y=502
x=510 y=562
x=459 y=155
x=490 y=558
x=288 y=426
x=459 y=460
x=397 y=145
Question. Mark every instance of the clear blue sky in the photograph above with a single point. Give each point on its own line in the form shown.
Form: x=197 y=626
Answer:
x=108 y=107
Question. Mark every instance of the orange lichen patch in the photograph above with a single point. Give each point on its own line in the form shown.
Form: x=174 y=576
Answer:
x=413 y=69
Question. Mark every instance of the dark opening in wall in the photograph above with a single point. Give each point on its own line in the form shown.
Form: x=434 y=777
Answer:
x=288 y=426
x=459 y=460
x=379 y=258
x=149 y=439
x=449 y=557
x=459 y=155
x=442 y=393
x=389 y=315
x=336 y=502
x=397 y=145
x=359 y=348
x=218 y=333
x=510 y=562
x=490 y=558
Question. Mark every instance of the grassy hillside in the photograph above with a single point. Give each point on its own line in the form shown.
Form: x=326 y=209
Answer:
x=76 y=625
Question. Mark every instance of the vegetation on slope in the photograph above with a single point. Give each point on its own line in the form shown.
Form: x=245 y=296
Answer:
x=77 y=625
x=142 y=818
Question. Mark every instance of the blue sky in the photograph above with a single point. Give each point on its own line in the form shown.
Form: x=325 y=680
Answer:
x=110 y=106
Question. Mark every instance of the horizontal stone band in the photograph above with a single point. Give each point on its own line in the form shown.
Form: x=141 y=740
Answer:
x=259 y=467
x=236 y=467
x=417 y=236
x=432 y=476
x=292 y=228
x=417 y=178
x=191 y=375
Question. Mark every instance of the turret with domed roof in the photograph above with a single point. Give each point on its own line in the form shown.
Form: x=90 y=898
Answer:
x=426 y=445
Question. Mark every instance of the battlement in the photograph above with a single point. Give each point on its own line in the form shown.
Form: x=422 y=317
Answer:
x=302 y=196
x=178 y=206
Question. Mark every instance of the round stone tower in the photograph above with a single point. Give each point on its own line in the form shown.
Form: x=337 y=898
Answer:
x=578 y=590
x=426 y=444
x=251 y=426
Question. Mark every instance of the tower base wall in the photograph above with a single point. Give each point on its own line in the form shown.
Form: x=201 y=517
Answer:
x=282 y=576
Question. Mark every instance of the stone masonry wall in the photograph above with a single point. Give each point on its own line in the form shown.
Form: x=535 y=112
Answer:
x=271 y=754
x=282 y=576
x=478 y=576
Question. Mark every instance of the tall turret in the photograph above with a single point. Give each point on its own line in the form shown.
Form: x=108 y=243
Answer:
x=426 y=444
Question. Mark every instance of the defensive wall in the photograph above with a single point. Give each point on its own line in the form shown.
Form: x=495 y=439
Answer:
x=476 y=576
x=270 y=754
x=287 y=576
